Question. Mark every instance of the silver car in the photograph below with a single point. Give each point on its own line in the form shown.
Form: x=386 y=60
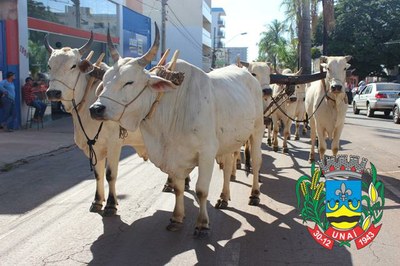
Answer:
x=376 y=97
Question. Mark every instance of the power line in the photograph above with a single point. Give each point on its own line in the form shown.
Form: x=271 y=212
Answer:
x=186 y=30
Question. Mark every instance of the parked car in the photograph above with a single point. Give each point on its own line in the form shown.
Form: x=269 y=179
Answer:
x=396 y=111
x=376 y=97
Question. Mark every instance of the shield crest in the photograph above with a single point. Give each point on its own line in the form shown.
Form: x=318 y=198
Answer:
x=343 y=203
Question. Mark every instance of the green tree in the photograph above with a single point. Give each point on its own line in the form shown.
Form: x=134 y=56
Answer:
x=272 y=43
x=362 y=29
x=37 y=9
x=298 y=19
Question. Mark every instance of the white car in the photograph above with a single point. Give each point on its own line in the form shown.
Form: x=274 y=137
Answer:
x=376 y=97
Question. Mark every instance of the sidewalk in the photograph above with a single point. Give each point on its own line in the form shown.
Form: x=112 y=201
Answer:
x=24 y=143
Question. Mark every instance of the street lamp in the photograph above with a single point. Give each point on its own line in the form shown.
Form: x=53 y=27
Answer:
x=213 y=59
x=243 y=33
x=227 y=50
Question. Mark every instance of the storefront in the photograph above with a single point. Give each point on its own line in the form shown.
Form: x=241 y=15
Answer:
x=67 y=23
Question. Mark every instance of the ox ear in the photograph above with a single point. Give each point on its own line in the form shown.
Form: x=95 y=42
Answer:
x=160 y=84
x=85 y=66
x=99 y=89
x=323 y=59
x=348 y=58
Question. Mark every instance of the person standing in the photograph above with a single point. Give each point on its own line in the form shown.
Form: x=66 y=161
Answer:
x=28 y=92
x=8 y=101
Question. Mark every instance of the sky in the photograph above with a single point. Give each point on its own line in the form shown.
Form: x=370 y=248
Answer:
x=249 y=16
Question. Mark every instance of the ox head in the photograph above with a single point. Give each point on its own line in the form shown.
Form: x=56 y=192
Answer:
x=128 y=88
x=336 y=68
x=293 y=90
x=65 y=66
x=261 y=71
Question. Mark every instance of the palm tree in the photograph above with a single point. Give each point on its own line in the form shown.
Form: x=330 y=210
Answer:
x=298 y=17
x=272 y=43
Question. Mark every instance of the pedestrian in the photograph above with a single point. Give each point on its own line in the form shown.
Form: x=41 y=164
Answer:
x=31 y=99
x=8 y=101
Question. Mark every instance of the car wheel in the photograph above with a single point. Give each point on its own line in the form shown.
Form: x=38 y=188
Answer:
x=396 y=115
x=370 y=112
x=387 y=112
x=356 y=111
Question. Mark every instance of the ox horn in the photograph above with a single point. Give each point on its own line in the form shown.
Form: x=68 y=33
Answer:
x=114 y=53
x=298 y=73
x=87 y=45
x=146 y=58
x=246 y=64
x=47 y=44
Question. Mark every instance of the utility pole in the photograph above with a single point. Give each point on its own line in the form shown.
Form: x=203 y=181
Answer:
x=213 y=52
x=163 y=20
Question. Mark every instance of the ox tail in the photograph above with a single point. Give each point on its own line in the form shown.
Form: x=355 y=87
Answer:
x=247 y=157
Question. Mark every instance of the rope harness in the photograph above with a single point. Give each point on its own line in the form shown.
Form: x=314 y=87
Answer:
x=90 y=142
x=288 y=92
x=124 y=105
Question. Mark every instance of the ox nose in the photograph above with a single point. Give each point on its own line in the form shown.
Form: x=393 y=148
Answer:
x=267 y=92
x=53 y=95
x=292 y=99
x=336 y=88
x=97 y=110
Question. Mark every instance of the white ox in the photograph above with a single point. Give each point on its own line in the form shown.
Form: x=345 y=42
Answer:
x=326 y=104
x=261 y=71
x=208 y=116
x=283 y=111
x=68 y=83
x=300 y=113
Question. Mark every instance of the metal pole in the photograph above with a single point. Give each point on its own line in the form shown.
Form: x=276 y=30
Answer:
x=163 y=20
x=213 y=52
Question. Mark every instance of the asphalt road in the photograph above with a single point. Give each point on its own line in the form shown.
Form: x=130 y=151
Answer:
x=45 y=218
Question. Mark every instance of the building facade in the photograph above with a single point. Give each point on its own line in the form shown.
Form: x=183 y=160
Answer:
x=23 y=25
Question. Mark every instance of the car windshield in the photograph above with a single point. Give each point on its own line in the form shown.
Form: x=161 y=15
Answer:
x=388 y=87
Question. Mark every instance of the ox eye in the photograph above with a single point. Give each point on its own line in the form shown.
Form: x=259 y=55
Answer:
x=48 y=67
x=128 y=83
x=254 y=74
x=73 y=66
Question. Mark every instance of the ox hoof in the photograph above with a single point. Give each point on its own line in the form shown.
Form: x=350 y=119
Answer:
x=238 y=165
x=285 y=150
x=296 y=138
x=221 y=204
x=254 y=201
x=109 y=211
x=96 y=207
x=201 y=233
x=311 y=160
x=167 y=188
x=269 y=142
x=304 y=133
x=174 y=226
x=187 y=187
x=275 y=149
x=187 y=183
x=233 y=178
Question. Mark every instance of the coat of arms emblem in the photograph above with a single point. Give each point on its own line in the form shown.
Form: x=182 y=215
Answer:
x=344 y=200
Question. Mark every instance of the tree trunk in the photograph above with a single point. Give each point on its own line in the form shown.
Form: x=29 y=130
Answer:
x=305 y=45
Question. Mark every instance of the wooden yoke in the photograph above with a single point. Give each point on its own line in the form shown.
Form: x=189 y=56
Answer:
x=96 y=64
x=157 y=70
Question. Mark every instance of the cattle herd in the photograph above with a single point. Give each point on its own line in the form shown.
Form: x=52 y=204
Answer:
x=205 y=119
